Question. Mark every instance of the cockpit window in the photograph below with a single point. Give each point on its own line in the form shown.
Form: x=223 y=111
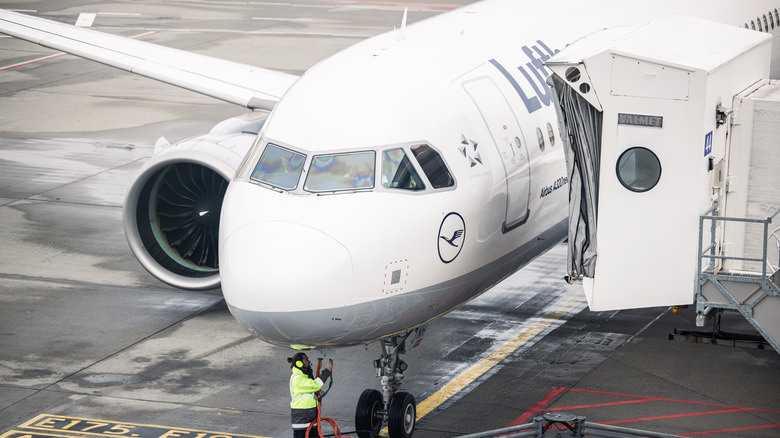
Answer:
x=334 y=172
x=433 y=166
x=279 y=167
x=398 y=172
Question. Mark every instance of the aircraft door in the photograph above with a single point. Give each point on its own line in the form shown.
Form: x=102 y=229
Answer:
x=508 y=139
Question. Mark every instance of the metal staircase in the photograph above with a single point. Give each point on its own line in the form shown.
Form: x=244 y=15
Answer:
x=755 y=294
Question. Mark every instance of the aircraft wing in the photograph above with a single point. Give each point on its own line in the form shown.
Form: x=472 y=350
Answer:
x=245 y=85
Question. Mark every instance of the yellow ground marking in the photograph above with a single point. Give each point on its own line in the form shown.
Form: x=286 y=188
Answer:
x=23 y=434
x=86 y=426
x=501 y=353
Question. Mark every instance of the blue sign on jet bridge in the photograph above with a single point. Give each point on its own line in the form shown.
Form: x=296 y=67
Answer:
x=708 y=143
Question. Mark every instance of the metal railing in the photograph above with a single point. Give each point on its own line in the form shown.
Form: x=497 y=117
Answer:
x=720 y=280
x=573 y=426
x=710 y=215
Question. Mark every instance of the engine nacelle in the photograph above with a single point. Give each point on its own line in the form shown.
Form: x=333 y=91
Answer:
x=172 y=208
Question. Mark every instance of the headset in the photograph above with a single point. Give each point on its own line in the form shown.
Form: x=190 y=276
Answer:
x=297 y=360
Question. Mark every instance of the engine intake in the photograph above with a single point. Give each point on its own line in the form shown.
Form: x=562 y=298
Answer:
x=171 y=218
x=172 y=208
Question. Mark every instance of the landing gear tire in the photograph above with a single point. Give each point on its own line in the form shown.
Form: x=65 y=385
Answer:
x=402 y=415
x=368 y=414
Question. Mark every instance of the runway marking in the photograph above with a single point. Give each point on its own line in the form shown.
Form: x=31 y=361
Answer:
x=91 y=427
x=283 y=19
x=286 y=5
x=120 y=14
x=22 y=434
x=21 y=64
x=540 y=407
x=734 y=429
x=502 y=352
x=411 y=5
x=57 y=55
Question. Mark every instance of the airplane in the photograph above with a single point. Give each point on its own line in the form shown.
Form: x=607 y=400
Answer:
x=388 y=185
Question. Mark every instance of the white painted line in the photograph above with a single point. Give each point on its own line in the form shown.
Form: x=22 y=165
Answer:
x=285 y=5
x=86 y=19
x=281 y=19
x=121 y=14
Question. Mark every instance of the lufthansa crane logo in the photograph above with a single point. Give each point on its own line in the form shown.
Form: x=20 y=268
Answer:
x=452 y=235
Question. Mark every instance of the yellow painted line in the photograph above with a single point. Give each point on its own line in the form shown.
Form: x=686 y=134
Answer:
x=101 y=428
x=22 y=434
x=501 y=353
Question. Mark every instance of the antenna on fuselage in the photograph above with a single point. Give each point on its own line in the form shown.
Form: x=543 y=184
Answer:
x=402 y=30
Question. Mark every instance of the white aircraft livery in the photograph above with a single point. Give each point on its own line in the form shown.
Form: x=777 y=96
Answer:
x=390 y=183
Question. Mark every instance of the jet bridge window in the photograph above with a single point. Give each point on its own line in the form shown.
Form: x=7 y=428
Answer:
x=279 y=167
x=638 y=169
x=433 y=166
x=398 y=172
x=335 y=172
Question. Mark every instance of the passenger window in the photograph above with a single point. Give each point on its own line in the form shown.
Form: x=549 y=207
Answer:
x=398 y=172
x=279 y=167
x=540 y=138
x=551 y=134
x=334 y=172
x=433 y=166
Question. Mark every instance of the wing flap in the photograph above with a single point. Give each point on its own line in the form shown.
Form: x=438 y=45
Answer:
x=241 y=84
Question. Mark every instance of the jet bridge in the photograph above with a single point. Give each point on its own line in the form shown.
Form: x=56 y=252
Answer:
x=671 y=132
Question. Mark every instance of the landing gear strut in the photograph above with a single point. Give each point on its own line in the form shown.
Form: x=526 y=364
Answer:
x=398 y=408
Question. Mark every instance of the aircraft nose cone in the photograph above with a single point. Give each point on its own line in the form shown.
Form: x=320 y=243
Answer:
x=275 y=266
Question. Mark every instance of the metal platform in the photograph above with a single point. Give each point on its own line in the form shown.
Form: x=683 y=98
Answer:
x=754 y=294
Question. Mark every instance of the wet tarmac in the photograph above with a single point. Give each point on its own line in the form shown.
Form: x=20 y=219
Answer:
x=92 y=345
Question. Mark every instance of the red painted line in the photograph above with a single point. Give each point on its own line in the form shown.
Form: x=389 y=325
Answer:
x=143 y=35
x=537 y=407
x=598 y=405
x=665 y=417
x=412 y=5
x=718 y=405
x=541 y=404
x=22 y=64
x=57 y=55
x=735 y=429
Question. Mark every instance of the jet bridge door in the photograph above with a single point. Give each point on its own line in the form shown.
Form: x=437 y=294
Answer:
x=508 y=139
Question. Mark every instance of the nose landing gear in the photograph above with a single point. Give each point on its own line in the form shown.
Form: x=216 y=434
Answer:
x=398 y=408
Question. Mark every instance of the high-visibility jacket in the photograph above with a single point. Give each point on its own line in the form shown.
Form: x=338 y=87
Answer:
x=303 y=391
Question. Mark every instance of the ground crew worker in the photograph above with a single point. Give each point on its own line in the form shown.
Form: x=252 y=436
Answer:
x=303 y=389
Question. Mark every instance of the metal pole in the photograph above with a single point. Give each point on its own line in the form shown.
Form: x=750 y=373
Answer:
x=531 y=428
x=764 y=260
x=712 y=235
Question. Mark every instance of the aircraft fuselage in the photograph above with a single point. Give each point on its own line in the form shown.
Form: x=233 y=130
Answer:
x=321 y=262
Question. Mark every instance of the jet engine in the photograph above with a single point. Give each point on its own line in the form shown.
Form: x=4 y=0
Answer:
x=172 y=208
